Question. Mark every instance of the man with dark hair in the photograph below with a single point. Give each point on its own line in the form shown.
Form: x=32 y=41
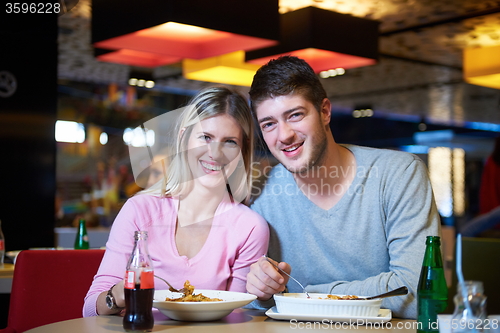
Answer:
x=348 y=219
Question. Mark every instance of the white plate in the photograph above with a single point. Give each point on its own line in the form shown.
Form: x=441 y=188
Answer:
x=200 y=311
x=383 y=316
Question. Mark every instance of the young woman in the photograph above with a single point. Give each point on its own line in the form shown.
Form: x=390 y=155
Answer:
x=198 y=228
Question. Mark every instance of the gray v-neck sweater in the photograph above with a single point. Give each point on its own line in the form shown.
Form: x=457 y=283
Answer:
x=371 y=241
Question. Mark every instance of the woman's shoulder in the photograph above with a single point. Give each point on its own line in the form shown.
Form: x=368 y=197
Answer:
x=245 y=220
x=245 y=210
x=239 y=212
x=147 y=199
x=149 y=204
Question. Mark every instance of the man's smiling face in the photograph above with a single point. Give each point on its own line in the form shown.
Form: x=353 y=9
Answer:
x=294 y=131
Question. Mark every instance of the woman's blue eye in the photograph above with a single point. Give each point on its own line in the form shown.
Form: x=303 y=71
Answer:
x=205 y=138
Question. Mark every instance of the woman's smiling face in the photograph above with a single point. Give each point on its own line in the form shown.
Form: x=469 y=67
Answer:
x=214 y=147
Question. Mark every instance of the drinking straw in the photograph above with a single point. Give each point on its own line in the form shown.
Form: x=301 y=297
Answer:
x=460 y=275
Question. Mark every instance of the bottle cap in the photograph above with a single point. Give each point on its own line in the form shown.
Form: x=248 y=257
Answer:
x=433 y=240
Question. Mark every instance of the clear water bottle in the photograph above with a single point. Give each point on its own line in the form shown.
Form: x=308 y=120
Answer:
x=463 y=320
x=139 y=287
x=2 y=246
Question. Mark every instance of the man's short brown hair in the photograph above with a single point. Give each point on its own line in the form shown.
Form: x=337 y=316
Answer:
x=284 y=76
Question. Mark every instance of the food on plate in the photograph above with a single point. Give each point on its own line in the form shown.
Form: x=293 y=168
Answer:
x=340 y=297
x=188 y=288
x=189 y=295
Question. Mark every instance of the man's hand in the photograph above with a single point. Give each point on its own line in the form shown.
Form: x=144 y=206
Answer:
x=264 y=280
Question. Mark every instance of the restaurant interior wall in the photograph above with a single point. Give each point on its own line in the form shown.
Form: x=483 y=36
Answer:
x=381 y=132
x=27 y=131
x=396 y=85
x=94 y=178
x=27 y=144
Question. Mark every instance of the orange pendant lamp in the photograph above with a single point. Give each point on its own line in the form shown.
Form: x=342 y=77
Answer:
x=482 y=66
x=323 y=38
x=159 y=32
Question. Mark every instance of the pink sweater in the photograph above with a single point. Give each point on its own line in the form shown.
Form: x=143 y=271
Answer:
x=238 y=238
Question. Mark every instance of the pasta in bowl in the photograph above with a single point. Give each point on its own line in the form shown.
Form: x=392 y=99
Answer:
x=199 y=304
x=190 y=296
x=326 y=304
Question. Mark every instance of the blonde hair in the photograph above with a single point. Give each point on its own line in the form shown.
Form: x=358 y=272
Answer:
x=209 y=103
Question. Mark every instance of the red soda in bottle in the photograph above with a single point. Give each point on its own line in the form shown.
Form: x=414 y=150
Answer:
x=139 y=287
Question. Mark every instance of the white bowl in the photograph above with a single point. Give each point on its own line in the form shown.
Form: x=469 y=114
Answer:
x=298 y=303
x=200 y=311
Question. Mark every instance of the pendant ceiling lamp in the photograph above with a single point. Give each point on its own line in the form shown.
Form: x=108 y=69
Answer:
x=323 y=38
x=482 y=66
x=135 y=58
x=228 y=68
x=170 y=30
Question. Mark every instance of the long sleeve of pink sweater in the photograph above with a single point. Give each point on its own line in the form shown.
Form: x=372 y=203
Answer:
x=238 y=238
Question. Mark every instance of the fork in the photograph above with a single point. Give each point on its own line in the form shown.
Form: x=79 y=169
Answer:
x=396 y=292
x=170 y=286
x=291 y=277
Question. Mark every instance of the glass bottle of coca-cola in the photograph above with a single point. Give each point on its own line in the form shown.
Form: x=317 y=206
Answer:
x=139 y=287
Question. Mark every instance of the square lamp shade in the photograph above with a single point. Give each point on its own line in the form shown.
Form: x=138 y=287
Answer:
x=482 y=66
x=323 y=38
x=228 y=68
x=134 y=58
x=160 y=32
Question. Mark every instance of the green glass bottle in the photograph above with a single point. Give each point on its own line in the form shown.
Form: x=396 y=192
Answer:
x=432 y=291
x=82 y=239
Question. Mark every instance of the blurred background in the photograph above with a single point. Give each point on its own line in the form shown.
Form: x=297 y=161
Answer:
x=78 y=77
x=401 y=74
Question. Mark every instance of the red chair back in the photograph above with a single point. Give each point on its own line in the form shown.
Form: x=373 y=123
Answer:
x=50 y=286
